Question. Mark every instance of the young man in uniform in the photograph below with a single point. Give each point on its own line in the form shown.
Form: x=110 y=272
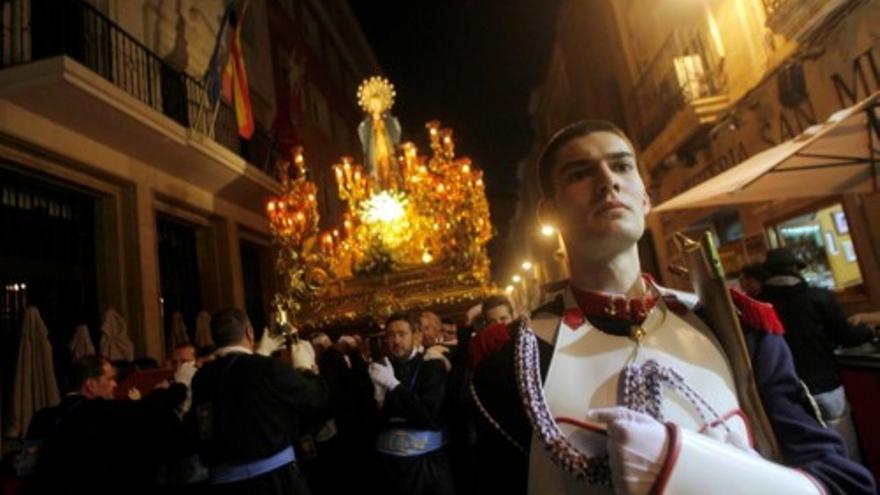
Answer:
x=618 y=385
x=409 y=392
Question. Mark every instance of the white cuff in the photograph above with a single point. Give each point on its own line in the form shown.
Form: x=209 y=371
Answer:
x=697 y=464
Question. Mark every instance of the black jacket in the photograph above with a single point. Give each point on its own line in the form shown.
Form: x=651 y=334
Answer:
x=814 y=325
x=249 y=407
x=105 y=446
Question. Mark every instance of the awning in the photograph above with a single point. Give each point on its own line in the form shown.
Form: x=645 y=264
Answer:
x=837 y=156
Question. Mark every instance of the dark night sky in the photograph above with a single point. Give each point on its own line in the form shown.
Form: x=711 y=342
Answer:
x=471 y=65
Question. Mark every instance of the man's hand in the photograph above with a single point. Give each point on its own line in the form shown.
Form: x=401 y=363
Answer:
x=185 y=373
x=382 y=375
x=438 y=352
x=473 y=313
x=302 y=356
x=871 y=319
x=269 y=343
x=134 y=394
x=637 y=446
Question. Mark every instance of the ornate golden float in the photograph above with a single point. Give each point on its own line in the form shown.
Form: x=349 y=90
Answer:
x=413 y=233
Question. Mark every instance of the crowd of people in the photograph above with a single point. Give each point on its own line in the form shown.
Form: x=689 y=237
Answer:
x=268 y=415
x=617 y=384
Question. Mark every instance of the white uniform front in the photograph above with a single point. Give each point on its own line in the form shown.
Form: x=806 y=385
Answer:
x=585 y=372
x=575 y=384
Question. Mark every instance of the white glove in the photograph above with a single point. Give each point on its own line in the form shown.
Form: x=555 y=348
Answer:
x=438 y=352
x=382 y=374
x=473 y=313
x=346 y=343
x=302 y=356
x=185 y=372
x=637 y=446
x=379 y=393
x=269 y=343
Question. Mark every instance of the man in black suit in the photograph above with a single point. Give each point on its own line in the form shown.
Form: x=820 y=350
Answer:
x=248 y=408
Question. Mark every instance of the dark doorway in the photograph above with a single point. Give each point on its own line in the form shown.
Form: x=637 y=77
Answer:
x=178 y=272
x=251 y=271
x=47 y=259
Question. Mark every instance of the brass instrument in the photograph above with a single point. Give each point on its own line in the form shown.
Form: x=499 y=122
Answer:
x=706 y=274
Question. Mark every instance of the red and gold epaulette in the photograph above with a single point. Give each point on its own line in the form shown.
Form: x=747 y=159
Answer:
x=487 y=342
x=756 y=315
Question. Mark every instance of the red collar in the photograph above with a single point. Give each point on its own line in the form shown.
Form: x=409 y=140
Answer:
x=606 y=305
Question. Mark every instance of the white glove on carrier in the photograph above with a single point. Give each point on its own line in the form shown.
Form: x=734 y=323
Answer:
x=382 y=374
x=637 y=446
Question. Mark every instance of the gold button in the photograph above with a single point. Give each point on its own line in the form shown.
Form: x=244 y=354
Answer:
x=637 y=333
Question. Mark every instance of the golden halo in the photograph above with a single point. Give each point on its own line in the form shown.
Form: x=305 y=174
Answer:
x=376 y=95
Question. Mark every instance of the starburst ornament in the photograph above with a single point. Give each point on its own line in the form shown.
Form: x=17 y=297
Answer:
x=376 y=95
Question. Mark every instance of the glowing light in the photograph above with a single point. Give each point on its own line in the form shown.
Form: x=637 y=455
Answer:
x=527 y=265
x=427 y=258
x=383 y=207
x=548 y=230
x=509 y=289
x=516 y=279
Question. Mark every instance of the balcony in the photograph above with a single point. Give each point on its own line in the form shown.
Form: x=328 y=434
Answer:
x=796 y=19
x=68 y=63
x=681 y=89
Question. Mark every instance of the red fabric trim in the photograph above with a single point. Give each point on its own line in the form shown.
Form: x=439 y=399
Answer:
x=672 y=454
x=730 y=414
x=813 y=480
x=574 y=318
x=586 y=425
x=675 y=305
x=757 y=315
x=618 y=306
x=487 y=342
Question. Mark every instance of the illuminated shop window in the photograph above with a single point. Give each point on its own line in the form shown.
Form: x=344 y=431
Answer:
x=822 y=240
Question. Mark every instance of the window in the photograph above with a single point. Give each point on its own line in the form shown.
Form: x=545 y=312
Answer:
x=254 y=262
x=178 y=272
x=821 y=239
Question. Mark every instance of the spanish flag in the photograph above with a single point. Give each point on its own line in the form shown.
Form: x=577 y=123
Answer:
x=235 y=85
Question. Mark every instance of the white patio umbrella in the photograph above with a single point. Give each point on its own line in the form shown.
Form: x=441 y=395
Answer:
x=34 y=387
x=179 y=336
x=203 y=330
x=115 y=343
x=81 y=343
x=837 y=156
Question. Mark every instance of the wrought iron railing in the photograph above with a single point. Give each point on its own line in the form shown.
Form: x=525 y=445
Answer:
x=685 y=68
x=38 y=29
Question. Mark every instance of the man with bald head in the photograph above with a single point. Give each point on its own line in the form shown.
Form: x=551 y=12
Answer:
x=432 y=328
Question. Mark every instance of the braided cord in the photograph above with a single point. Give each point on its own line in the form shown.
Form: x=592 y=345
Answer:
x=642 y=392
x=593 y=470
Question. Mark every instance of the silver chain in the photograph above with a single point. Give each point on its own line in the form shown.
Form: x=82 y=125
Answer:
x=488 y=417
